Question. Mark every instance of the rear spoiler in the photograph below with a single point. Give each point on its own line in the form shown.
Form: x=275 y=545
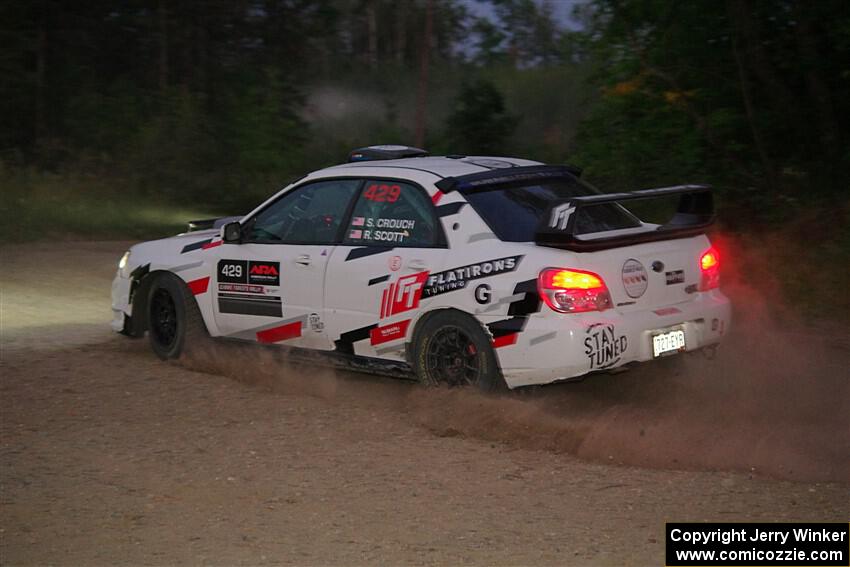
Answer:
x=694 y=214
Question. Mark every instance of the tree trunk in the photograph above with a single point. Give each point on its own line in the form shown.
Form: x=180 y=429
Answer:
x=40 y=125
x=743 y=80
x=400 y=30
x=372 y=24
x=163 y=46
x=422 y=98
x=819 y=95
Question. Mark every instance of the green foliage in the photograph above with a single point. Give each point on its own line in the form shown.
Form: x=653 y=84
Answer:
x=479 y=123
x=746 y=96
x=37 y=205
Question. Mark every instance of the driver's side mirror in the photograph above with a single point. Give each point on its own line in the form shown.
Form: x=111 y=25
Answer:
x=231 y=233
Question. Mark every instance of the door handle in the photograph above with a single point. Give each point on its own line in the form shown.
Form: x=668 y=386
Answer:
x=417 y=264
x=303 y=259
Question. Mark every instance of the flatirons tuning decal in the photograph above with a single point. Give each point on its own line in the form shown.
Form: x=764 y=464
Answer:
x=457 y=278
x=403 y=295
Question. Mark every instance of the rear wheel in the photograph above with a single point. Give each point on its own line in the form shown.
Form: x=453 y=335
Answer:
x=451 y=348
x=174 y=320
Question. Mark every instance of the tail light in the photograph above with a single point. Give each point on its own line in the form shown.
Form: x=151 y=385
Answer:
x=709 y=268
x=573 y=291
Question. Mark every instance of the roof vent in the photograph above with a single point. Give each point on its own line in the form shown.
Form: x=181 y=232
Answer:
x=370 y=153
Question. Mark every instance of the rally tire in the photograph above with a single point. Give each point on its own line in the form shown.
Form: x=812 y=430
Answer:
x=175 y=323
x=451 y=348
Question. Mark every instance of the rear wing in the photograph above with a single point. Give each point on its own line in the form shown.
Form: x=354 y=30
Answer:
x=694 y=214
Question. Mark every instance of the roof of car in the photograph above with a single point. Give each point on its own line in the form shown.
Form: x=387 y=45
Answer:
x=440 y=166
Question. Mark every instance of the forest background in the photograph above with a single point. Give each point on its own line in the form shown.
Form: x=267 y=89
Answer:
x=125 y=118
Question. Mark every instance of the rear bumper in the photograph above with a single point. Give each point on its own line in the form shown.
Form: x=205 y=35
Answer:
x=556 y=346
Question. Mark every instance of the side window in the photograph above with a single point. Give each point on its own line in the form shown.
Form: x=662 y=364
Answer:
x=392 y=213
x=310 y=214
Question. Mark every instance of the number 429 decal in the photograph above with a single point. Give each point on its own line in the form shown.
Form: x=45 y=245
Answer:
x=382 y=193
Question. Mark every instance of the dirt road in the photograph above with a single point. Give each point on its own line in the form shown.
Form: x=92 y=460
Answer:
x=110 y=456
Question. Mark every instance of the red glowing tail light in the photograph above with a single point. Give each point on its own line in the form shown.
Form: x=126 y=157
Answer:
x=573 y=291
x=709 y=267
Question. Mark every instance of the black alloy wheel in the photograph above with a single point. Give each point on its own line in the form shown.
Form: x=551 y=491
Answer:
x=452 y=348
x=452 y=358
x=163 y=318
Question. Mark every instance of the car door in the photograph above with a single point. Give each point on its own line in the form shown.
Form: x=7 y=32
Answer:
x=376 y=279
x=270 y=287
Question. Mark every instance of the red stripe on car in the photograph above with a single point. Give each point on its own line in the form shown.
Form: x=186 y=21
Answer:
x=282 y=333
x=213 y=244
x=505 y=340
x=200 y=286
x=437 y=196
x=388 y=333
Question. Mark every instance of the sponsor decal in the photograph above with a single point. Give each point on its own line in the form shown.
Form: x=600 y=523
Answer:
x=403 y=295
x=253 y=272
x=394 y=263
x=483 y=294
x=635 y=279
x=316 y=323
x=264 y=273
x=603 y=347
x=561 y=216
x=387 y=333
x=457 y=278
x=199 y=286
x=241 y=288
x=675 y=277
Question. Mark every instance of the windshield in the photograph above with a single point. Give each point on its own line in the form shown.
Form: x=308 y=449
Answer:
x=513 y=212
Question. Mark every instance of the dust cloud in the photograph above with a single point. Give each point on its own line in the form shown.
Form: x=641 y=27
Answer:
x=774 y=401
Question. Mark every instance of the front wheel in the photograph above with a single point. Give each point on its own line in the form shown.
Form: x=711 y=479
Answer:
x=174 y=320
x=451 y=348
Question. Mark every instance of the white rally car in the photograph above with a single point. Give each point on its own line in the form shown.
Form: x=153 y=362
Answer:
x=464 y=270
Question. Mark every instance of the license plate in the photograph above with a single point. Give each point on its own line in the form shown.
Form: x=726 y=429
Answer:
x=671 y=341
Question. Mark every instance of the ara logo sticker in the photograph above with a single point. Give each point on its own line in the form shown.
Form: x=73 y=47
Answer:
x=603 y=347
x=264 y=273
x=403 y=295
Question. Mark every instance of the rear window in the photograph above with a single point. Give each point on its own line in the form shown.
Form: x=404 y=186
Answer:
x=513 y=212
